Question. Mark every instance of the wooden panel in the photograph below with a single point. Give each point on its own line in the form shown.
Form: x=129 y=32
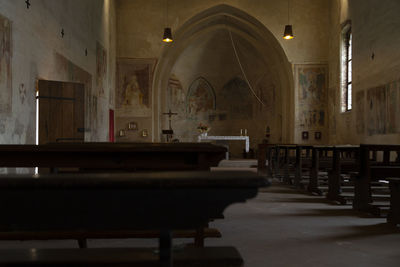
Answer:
x=79 y=111
x=55 y=123
x=61 y=112
x=44 y=112
x=67 y=111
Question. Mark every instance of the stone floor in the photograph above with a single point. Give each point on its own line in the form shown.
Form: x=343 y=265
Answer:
x=282 y=227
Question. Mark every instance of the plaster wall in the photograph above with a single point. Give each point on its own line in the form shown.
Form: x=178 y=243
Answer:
x=38 y=51
x=141 y=23
x=234 y=106
x=376 y=67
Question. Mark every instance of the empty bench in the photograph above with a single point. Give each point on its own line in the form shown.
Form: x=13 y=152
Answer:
x=111 y=157
x=121 y=202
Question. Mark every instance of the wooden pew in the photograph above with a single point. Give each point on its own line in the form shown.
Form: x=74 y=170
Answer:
x=120 y=201
x=282 y=161
x=114 y=156
x=373 y=169
x=110 y=157
x=345 y=160
x=265 y=154
x=320 y=161
x=394 y=212
x=303 y=162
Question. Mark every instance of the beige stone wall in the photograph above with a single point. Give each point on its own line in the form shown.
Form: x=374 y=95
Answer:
x=141 y=23
x=376 y=68
x=39 y=52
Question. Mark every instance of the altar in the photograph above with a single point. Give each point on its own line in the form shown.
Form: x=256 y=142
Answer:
x=224 y=140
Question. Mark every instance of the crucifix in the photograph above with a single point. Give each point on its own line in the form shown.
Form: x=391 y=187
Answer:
x=169 y=132
x=28 y=4
x=170 y=114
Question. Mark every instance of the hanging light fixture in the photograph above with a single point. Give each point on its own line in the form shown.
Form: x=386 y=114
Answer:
x=288 y=33
x=167 y=37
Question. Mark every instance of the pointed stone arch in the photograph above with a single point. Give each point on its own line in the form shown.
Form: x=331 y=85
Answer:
x=244 y=25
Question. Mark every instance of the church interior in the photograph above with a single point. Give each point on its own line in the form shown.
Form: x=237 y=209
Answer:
x=248 y=96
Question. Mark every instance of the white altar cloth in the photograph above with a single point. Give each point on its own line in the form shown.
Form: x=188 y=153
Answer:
x=227 y=138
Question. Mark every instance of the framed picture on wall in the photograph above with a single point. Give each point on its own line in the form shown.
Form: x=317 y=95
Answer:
x=317 y=135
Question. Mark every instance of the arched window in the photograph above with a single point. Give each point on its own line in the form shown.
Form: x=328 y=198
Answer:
x=346 y=68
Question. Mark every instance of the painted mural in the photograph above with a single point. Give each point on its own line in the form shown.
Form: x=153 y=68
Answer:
x=312 y=118
x=134 y=79
x=5 y=65
x=393 y=107
x=238 y=99
x=332 y=111
x=376 y=110
x=176 y=95
x=101 y=70
x=200 y=100
x=360 y=112
x=311 y=83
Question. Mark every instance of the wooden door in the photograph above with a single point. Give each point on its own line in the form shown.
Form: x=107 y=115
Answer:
x=61 y=112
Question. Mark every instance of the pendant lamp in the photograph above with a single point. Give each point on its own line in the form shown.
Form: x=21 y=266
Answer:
x=288 y=33
x=167 y=37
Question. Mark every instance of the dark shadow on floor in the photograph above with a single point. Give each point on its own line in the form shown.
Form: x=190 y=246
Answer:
x=348 y=212
x=365 y=231
x=301 y=200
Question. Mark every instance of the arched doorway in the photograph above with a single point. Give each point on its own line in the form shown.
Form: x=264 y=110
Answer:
x=202 y=63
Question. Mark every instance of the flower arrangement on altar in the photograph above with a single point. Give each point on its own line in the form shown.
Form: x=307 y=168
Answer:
x=202 y=128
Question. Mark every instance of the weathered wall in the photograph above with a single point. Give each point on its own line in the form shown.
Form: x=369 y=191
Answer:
x=140 y=37
x=212 y=91
x=376 y=66
x=38 y=51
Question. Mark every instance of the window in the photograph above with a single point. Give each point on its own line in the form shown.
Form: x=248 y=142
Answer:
x=346 y=68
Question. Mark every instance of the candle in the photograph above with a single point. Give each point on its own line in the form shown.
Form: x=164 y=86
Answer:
x=241 y=132
x=245 y=132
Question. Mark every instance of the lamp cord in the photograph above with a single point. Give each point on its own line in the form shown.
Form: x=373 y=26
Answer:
x=166 y=19
x=241 y=68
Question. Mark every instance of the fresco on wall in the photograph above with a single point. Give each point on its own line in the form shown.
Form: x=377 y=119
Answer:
x=376 y=110
x=238 y=99
x=332 y=110
x=360 y=112
x=200 y=100
x=393 y=107
x=134 y=82
x=312 y=118
x=101 y=70
x=5 y=65
x=176 y=95
x=312 y=81
x=311 y=85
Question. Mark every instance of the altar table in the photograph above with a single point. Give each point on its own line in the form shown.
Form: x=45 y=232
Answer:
x=225 y=139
